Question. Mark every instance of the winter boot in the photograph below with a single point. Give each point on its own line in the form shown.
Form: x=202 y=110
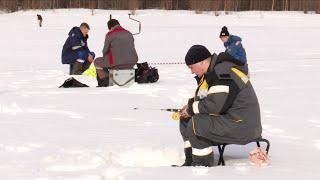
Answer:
x=188 y=155
x=206 y=160
x=85 y=66
x=76 y=68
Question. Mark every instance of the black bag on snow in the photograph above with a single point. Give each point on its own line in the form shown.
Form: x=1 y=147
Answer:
x=72 y=83
x=146 y=73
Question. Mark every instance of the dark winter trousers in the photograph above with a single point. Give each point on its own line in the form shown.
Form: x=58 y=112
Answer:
x=187 y=132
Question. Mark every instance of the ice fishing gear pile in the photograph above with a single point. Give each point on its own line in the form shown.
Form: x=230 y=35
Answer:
x=145 y=73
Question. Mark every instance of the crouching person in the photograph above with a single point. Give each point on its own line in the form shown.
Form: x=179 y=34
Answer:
x=225 y=108
x=233 y=45
x=75 y=50
x=118 y=52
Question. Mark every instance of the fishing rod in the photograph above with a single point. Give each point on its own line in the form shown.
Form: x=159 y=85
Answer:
x=159 y=109
x=175 y=114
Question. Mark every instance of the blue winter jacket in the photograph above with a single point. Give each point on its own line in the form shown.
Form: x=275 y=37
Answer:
x=235 y=48
x=75 y=47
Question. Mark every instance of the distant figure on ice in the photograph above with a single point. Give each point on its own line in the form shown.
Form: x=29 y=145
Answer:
x=225 y=108
x=118 y=52
x=75 y=50
x=233 y=45
x=39 y=19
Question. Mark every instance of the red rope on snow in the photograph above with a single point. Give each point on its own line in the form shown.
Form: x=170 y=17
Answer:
x=163 y=63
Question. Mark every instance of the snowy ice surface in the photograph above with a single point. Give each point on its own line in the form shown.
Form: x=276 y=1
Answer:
x=47 y=133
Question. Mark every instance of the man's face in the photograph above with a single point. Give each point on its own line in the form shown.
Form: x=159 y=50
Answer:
x=84 y=31
x=224 y=38
x=197 y=68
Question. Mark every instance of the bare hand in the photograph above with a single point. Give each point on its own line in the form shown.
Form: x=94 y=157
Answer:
x=90 y=58
x=184 y=113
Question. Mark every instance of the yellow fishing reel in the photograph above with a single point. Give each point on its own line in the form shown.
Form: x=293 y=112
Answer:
x=175 y=116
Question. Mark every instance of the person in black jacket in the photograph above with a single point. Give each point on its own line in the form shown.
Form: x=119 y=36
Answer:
x=75 y=50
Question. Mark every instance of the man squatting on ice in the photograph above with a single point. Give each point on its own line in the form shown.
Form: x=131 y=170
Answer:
x=225 y=108
x=75 y=50
x=118 y=52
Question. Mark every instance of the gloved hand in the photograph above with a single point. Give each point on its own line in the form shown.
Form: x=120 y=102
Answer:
x=189 y=108
x=91 y=56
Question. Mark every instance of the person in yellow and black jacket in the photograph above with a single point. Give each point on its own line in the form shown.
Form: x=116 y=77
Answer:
x=225 y=108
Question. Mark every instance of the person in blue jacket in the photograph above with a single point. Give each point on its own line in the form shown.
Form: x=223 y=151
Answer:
x=75 y=50
x=233 y=46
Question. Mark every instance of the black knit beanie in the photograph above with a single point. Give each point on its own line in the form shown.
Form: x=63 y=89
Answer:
x=196 y=53
x=224 y=31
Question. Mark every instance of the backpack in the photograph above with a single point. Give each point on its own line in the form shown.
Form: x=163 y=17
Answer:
x=146 y=73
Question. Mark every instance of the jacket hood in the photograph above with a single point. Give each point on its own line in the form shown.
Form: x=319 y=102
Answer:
x=234 y=38
x=224 y=66
x=77 y=32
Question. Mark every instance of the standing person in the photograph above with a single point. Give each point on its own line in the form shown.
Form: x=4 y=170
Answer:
x=225 y=108
x=118 y=52
x=39 y=19
x=75 y=50
x=233 y=45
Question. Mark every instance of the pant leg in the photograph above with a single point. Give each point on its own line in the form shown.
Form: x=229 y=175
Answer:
x=188 y=135
x=76 y=68
x=82 y=56
x=100 y=67
x=70 y=69
x=196 y=141
x=200 y=147
x=183 y=128
x=86 y=65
